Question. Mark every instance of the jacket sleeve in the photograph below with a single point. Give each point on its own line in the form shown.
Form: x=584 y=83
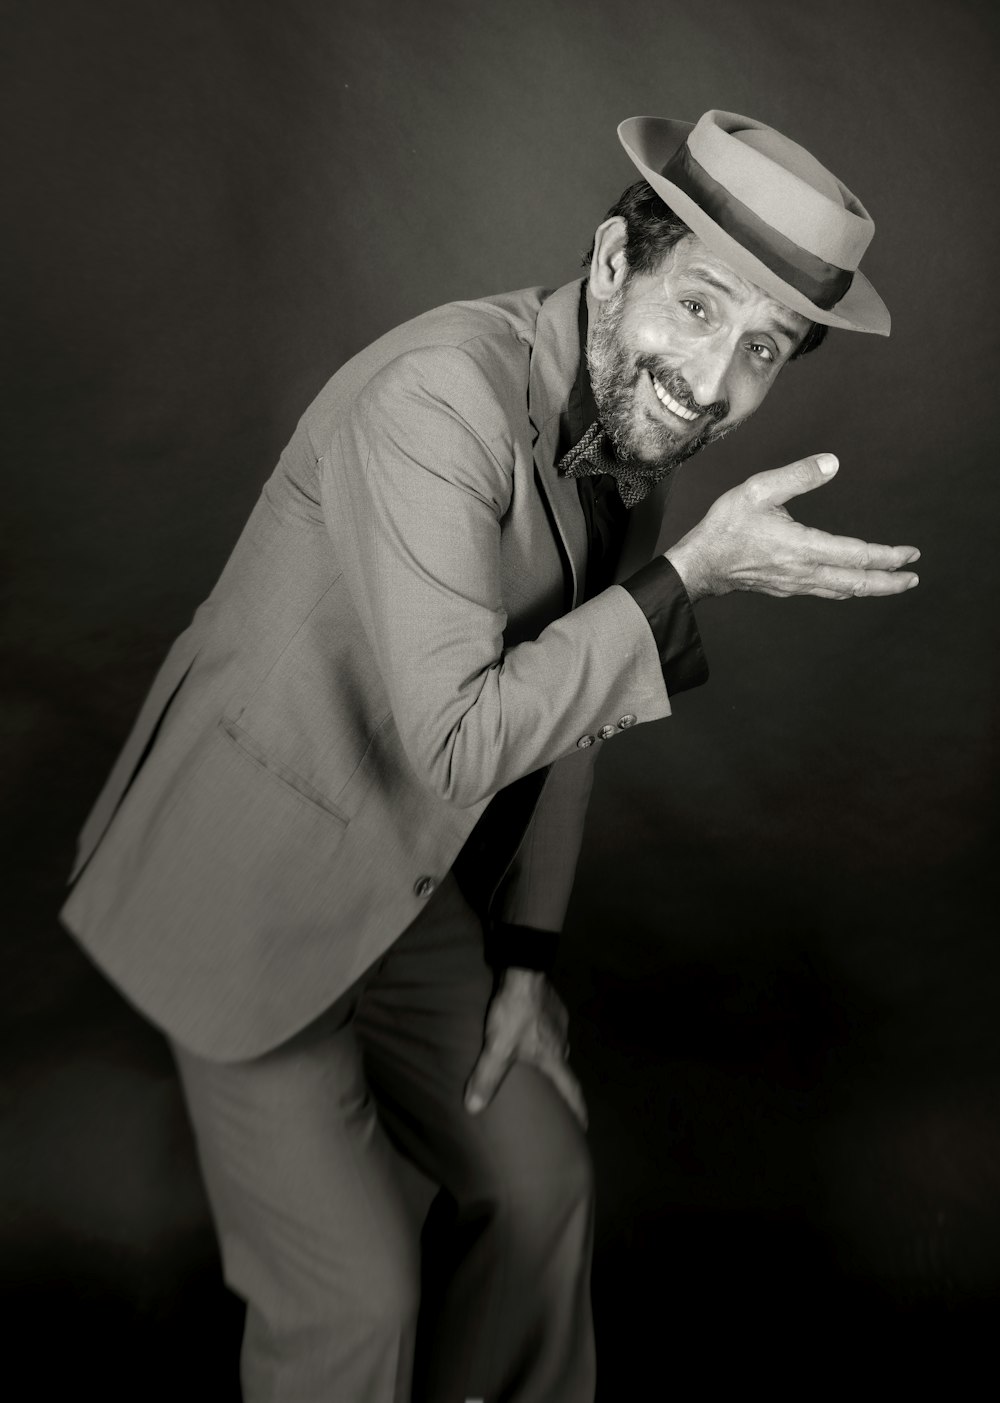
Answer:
x=414 y=487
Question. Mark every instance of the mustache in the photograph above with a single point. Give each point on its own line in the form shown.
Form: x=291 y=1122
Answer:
x=679 y=389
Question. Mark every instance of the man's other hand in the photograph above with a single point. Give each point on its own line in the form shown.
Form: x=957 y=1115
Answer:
x=748 y=541
x=525 y=1022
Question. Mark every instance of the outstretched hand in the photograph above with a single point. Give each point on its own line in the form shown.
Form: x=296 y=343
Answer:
x=748 y=541
x=525 y=1022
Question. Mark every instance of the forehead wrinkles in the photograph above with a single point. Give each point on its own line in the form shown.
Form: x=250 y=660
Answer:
x=689 y=258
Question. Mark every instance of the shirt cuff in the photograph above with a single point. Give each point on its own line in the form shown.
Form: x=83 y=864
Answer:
x=509 y=945
x=660 y=594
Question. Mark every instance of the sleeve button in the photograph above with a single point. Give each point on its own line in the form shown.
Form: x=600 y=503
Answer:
x=584 y=741
x=606 y=732
x=424 y=886
x=625 y=721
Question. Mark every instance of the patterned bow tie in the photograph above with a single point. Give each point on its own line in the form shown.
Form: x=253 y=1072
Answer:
x=594 y=456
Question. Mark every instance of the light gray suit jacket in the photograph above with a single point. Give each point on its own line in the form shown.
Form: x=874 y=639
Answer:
x=388 y=645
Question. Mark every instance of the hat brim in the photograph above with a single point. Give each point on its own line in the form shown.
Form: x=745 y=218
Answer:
x=650 y=142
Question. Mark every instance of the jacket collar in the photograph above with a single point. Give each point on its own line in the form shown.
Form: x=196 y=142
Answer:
x=555 y=359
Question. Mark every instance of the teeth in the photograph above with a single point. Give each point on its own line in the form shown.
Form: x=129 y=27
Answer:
x=671 y=403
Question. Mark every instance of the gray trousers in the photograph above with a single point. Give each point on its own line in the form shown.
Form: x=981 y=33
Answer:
x=320 y=1159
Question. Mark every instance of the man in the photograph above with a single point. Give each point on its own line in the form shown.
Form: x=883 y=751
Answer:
x=342 y=836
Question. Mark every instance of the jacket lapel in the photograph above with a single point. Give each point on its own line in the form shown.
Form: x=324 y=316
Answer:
x=555 y=358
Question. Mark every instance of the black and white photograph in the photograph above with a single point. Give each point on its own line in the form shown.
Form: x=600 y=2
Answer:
x=500 y=700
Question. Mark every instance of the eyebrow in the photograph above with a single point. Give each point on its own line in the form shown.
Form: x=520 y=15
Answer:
x=703 y=275
x=706 y=277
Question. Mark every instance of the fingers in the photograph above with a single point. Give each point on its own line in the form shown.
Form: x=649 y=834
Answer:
x=852 y=554
x=773 y=488
x=493 y=1065
x=558 y=1072
x=829 y=582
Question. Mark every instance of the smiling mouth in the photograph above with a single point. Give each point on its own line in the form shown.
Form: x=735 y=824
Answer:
x=668 y=402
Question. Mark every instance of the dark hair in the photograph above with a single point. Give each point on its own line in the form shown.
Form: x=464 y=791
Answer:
x=652 y=231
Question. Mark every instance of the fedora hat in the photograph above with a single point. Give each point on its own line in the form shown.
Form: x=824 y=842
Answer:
x=767 y=208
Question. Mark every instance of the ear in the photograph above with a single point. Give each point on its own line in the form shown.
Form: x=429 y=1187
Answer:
x=609 y=266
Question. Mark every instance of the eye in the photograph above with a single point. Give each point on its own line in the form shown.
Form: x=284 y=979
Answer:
x=695 y=308
x=763 y=353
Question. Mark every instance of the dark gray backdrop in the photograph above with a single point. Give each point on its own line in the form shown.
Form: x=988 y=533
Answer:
x=781 y=956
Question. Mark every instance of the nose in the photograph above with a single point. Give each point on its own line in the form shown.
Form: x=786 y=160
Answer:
x=706 y=370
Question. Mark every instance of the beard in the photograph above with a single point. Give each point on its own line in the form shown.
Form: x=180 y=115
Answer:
x=652 y=447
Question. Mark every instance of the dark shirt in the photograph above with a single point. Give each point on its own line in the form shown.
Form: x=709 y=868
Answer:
x=658 y=591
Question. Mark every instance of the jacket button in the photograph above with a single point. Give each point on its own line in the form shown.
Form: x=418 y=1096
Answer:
x=584 y=741
x=625 y=721
x=424 y=886
x=606 y=732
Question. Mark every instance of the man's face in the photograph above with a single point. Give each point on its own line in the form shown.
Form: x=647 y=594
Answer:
x=680 y=357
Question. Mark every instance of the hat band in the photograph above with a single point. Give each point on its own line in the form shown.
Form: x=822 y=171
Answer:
x=823 y=283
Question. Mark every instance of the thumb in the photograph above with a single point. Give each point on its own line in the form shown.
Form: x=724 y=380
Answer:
x=487 y=1074
x=774 y=488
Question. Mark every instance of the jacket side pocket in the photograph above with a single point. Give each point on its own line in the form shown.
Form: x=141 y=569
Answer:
x=278 y=772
